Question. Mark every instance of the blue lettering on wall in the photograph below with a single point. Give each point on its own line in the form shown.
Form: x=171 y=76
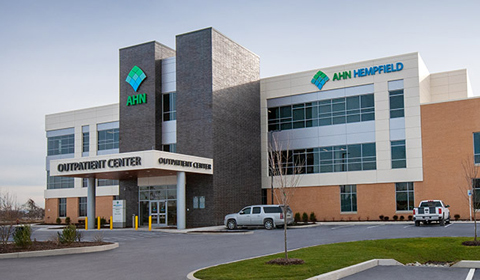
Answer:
x=387 y=68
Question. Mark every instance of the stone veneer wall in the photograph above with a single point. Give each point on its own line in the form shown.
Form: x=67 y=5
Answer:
x=218 y=116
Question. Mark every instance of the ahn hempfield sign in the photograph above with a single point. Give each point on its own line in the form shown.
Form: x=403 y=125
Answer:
x=320 y=78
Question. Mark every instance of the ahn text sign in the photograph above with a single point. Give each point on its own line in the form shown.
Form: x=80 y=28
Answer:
x=135 y=79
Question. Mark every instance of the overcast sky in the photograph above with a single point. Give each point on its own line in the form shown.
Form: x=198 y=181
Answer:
x=58 y=56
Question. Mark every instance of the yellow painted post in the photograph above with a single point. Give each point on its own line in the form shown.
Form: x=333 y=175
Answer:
x=111 y=223
x=149 y=223
x=86 y=223
x=98 y=222
x=136 y=222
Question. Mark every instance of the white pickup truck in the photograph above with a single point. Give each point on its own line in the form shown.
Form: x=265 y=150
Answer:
x=431 y=210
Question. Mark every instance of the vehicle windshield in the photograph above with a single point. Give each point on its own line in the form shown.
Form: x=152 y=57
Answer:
x=431 y=204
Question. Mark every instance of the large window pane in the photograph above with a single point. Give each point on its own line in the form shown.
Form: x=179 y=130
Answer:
x=404 y=196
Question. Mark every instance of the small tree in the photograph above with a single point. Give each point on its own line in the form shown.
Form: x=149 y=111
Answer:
x=284 y=168
x=470 y=175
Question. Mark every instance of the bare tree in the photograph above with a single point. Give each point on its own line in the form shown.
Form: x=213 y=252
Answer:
x=284 y=168
x=9 y=213
x=33 y=210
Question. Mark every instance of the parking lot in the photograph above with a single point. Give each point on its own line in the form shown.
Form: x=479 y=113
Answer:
x=170 y=255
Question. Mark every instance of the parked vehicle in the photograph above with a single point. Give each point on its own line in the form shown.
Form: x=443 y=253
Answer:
x=269 y=216
x=431 y=210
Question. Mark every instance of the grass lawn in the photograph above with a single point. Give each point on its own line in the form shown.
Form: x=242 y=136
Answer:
x=325 y=258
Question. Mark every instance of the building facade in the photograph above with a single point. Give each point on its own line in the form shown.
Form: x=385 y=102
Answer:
x=188 y=141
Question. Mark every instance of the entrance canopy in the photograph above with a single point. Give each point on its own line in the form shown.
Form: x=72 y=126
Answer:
x=131 y=165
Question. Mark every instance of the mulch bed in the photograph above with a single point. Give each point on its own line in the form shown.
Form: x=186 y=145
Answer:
x=283 y=261
x=46 y=245
x=471 y=243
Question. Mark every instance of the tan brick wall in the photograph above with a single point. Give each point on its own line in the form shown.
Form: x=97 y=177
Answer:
x=51 y=210
x=103 y=208
x=447 y=133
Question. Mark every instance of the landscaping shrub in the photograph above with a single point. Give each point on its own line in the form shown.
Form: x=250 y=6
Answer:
x=304 y=217
x=381 y=217
x=395 y=217
x=457 y=217
x=386 y=218
x=402 y=218
x=410 y=217
x=22 y=237
x=58 y=221
x=68 y=235
x=313 y=218
x=67 y=220
x=297 y=217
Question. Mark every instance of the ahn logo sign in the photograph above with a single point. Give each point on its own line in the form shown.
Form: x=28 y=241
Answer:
x=135 y=79
x=320 y=79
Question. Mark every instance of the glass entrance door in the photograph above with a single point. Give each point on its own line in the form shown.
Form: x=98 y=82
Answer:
x=158 y=211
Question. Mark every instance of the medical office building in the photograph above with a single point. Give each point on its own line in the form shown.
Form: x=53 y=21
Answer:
x=188 y=141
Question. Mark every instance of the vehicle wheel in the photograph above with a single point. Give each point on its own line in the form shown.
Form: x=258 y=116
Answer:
x=231 y=224
x=417 y=223
x=448 y=220
x=268 y=224
x=442 y=222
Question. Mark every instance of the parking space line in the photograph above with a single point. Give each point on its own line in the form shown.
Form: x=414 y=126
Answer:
x=470 y=274
x=448 y=225
x=372 y=226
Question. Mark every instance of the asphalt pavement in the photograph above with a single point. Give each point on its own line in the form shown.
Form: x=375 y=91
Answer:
x=173 y=254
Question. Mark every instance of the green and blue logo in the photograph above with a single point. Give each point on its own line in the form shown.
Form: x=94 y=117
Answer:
x=135 y=77
x=320 y=79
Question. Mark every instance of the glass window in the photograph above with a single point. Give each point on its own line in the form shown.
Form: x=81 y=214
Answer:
x=85 y=139
x=61 y=145
x=396 y=104
x=62 y=207
x=348 y=198
x=170 y=106
x=59 y=182
x=256 y=210
x=342 y=158
x=82 y=206
x=399 y=154
x=106 y=182
x=108 y=139
x=404 y=196
x=476 y=193
x=476 y=147
x=172 y=148
x=342 y=110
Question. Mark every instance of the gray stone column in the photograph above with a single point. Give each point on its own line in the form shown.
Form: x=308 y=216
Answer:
x=91 y=202
x=181 y=204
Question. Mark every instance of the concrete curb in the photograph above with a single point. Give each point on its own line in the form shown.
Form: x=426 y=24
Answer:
x=58 y=252
x=467 y=264
x=356 y=268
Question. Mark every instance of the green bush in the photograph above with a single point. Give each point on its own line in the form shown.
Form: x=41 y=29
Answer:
x=304 y=217
x=313 y=218
x=457 y=217
x=395 y=217
x=402 y=218
x=297 y=217
x=22 y=236
x=68 y=235
x=67 y=220
x=58 y=221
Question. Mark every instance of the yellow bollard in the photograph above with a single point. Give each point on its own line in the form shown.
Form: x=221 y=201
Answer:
x=136 y=222
x=98 y=222
x=86 y=223
x=149 y=223
x=111 y=223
